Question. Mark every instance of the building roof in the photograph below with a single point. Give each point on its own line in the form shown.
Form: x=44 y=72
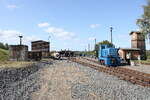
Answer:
x=18 y=46
x=39 y=41
x=131 y=49
x=34 y=51
x=135 y=32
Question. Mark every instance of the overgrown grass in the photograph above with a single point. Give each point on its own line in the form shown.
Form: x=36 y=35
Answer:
x=89 y=53
x=3 y=55
x=148 y=54
x=5 y=63
x=146 y=62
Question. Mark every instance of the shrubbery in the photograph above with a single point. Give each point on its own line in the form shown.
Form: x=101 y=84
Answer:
x=148 y=54
x=4 y=46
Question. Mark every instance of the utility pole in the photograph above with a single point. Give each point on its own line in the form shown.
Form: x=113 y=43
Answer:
x=95 y=42
x=20 y=39
x=95 y=48
x=111 y=29
x=85 y=48
x=88 y=47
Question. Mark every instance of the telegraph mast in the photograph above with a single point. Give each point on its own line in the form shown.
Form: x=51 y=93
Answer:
x=20 y=39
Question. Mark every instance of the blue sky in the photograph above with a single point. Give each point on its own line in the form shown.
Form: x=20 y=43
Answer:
x=71 y=24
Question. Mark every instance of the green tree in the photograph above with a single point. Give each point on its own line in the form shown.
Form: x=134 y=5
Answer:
x=100 y=43
x=4 y=46
x=144 y=21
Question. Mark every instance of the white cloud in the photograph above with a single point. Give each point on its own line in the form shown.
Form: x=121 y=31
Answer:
x=60 y=33
x=11 y=37
x=45 y=24
x=94 y=26
x=12 y=6
x=92 y=38
x=9 y=33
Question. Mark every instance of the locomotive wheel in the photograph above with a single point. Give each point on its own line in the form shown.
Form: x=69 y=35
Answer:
x=100 y=62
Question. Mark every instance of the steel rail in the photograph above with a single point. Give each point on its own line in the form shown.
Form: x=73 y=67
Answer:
x=132 y=76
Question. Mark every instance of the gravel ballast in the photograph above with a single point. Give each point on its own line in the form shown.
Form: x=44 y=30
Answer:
x=65 y=80
x=19 y=83
x=111 y=88
x=72 y=81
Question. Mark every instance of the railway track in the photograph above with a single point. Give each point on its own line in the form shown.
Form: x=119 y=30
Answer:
x=132 y=76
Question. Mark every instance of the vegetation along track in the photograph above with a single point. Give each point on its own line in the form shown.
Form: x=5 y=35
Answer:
x=132 y=76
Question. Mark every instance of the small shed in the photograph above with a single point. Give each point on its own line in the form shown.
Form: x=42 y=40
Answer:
x=135 y=52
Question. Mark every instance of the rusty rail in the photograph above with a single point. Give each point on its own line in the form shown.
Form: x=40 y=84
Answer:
x=132 y=76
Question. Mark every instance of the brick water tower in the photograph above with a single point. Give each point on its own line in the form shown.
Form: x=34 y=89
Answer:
x=18 y=52
x=138 y=41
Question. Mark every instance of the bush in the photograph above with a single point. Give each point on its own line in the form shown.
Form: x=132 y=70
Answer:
x=4 y=46
x=148 y=54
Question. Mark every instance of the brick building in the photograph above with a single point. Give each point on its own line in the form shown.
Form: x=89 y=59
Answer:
x=41 y=46
x=18 y=52
x=35 y=55
x=138 y=41
x=135 y=52
x=137 y=49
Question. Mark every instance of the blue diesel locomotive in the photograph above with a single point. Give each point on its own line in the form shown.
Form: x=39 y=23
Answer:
x=108 y=55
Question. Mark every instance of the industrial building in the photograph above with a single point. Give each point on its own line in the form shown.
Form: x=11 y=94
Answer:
x=138 y=48
x=34 y=55
x=39 y=50
x=18 y=52
x=41 y=46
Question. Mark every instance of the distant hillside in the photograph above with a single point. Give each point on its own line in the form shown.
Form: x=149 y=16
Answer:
x=3 y=54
